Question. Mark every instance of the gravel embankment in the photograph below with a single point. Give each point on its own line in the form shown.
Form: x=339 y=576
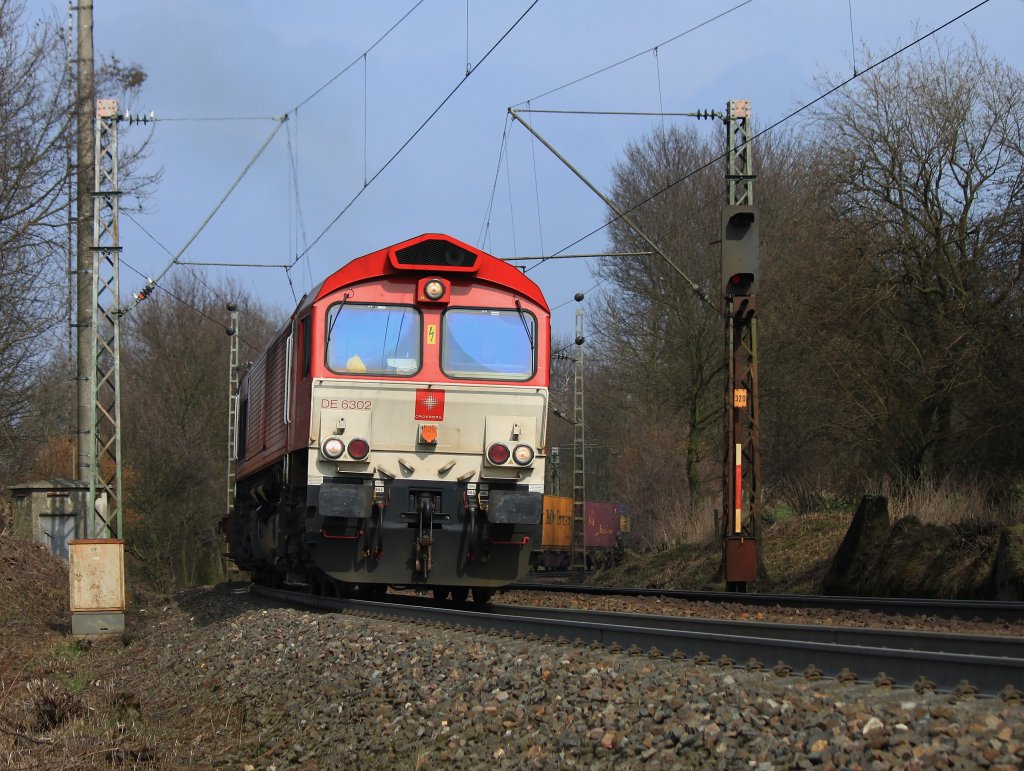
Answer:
x=238 y=681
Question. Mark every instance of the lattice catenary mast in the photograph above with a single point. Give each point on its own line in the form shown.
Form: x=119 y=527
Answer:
x=104 y=446
x=578 y=552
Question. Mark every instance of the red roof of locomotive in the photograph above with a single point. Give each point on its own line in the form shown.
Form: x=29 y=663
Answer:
x=486 y=268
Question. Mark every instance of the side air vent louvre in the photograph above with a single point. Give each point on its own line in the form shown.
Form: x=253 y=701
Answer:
x=435 y=253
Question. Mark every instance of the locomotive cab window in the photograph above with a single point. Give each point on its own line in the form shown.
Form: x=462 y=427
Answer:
x=373 y=339
x=488 y=344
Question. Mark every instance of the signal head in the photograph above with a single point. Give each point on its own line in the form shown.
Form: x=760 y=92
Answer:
x=740 y=250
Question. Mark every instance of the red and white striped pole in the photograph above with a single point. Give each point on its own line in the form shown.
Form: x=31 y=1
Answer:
x=737 y=524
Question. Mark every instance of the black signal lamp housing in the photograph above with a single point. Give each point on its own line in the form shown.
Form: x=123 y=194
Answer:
x=740 y=250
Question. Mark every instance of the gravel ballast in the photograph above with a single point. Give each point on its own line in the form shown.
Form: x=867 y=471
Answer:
x=221 y=677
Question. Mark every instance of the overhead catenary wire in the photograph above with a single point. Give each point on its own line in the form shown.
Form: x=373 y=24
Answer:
x=293 y=164
x=356 y=61
x=620 y=214
x=853 y=46
x=152 y=282
x=658 y=114
x=197 y=276
x=536 y=193
x=156 y=280
x=281 y=119
x=502 y=152
x=661 y=100
x=511 y=202
x=367 y=182
x=585 y=256
x=234 y=264
x=824 y=95
x=637 y=55
x=485 y=228
x=209 y=118
x=188 y=305
x=776 y=124
x=415 y=133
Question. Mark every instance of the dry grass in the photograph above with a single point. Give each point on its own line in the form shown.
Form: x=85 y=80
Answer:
x=797 y=553
x=947 y=502
x=53 y=713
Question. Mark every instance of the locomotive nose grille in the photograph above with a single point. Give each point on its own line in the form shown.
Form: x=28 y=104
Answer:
x=436 y=253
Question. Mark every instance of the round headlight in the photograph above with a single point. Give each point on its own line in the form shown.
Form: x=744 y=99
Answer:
x=497 y=454
x=332 y=447
x=358 y=449
x=434 y=289
x=523 y=454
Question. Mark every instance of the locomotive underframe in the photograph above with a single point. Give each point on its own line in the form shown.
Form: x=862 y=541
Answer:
x=360 y=531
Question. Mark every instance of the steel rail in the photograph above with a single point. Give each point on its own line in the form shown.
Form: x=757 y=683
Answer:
x=740 y=641
x=1004 y=646
x=984 y=610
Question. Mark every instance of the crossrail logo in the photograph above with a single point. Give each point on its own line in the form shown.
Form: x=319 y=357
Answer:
x=429 y=404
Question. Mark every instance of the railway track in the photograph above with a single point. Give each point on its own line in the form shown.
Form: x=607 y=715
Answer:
x=983 y=610
x=946 y=660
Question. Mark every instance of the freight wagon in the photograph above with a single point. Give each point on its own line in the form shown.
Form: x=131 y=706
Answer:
x=604 y=522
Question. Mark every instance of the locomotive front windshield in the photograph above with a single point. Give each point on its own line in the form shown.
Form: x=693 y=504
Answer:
x=488 y=344
x=373 y=339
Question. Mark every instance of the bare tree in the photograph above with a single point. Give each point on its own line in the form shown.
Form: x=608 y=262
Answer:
x=34 y=130
x=174 y=415
x=663 y=341
x=918 y=278
x=36 y=175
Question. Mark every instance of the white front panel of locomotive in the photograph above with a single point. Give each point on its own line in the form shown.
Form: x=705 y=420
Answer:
x=471 y=419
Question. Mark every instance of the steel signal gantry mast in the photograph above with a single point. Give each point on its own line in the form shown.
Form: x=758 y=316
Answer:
x=741 y=483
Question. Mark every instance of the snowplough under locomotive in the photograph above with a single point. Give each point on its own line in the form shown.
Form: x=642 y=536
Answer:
x=393 y=432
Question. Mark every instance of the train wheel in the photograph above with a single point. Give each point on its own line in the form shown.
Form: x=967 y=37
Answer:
x=441 y=593
x=460 y=594
x=482 y=595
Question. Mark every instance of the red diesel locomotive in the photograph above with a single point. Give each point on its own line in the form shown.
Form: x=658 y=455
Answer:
x=393 y=432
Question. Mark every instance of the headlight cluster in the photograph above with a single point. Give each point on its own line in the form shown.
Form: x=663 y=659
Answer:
x=333 y=448
x=499 y=454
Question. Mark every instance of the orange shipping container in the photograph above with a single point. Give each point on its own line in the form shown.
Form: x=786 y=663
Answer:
x=557 y=528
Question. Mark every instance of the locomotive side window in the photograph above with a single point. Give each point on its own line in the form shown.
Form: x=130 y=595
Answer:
x=373 y=339
x=305 y=341
x=488 y=344
x=242 y=434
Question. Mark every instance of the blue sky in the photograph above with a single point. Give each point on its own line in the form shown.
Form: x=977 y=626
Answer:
x=228 y=58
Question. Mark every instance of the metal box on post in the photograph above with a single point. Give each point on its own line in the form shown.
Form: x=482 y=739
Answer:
x=96 y=572
x=740 y=559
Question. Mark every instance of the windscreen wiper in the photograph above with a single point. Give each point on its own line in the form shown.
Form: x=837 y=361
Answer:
x=337 y=316
x=522 y=318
